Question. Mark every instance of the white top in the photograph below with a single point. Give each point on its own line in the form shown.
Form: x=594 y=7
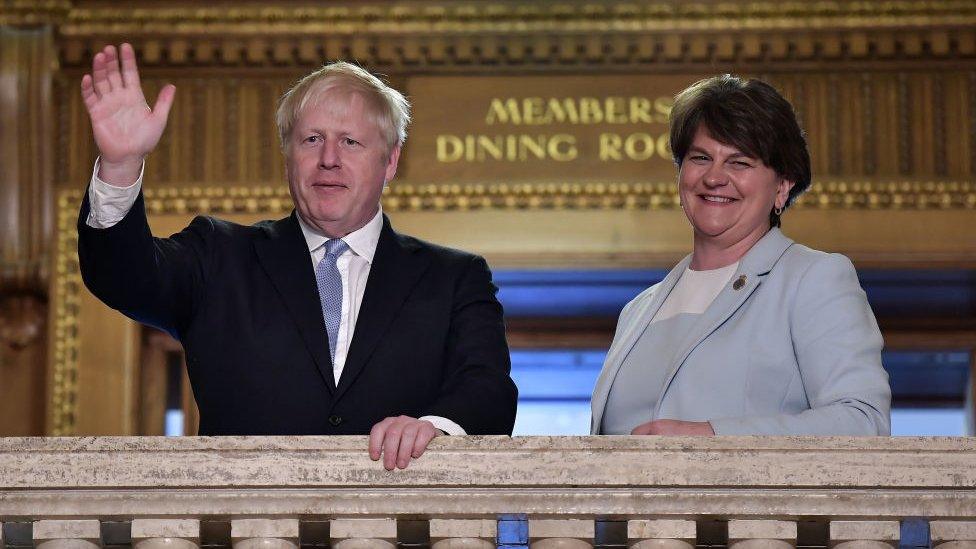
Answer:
x=695 y=291
x=109 y=204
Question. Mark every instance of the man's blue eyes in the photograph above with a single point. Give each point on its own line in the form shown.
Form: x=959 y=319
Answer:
x=317 y=138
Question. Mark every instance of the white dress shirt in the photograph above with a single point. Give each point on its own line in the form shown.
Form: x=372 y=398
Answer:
x=109 y=204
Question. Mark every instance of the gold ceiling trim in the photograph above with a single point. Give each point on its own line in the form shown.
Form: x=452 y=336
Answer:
x=584 y=17
x=945 y=195
x=594 y=33
x=846 y=195
x=33 y=12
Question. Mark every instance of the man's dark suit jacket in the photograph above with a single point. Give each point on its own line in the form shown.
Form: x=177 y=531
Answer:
x=429 y=339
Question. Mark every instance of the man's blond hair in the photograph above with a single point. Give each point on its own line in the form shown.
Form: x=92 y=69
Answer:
x=388 y=108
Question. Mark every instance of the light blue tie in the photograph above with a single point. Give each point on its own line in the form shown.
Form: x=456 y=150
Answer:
x=330 y=290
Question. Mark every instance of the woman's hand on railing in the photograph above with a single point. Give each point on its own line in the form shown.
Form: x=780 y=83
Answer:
x=674 y=427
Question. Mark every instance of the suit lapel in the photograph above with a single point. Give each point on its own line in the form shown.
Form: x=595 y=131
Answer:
x=618 y=353
x=755 y=265
x=285 y=258
x=397 y=266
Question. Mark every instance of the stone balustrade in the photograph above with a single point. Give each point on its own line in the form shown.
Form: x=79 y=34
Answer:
x=478 y=492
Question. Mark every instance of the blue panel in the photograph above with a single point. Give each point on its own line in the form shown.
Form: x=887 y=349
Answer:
x=556 y=374
x=553 y=417
x=571 y=293
x=605 y=292
x=927 y=375
x=910 y=422
x=513 y=530
x=914 y=534
x=922 y=292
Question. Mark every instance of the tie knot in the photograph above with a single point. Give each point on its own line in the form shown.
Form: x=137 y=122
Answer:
x=335 y=247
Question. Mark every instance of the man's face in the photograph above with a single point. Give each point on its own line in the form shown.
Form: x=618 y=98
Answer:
x=337 y=164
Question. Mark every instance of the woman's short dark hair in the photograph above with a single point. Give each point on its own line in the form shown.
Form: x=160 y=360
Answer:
x=749 y=115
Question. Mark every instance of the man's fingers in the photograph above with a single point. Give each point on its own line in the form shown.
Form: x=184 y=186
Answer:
x=88 y=94
x=391 y=446
x=376 y=436
x=427 y=433
x=100 y=74
x=130 y=70
x=112 y=67
x=164 y=102
x=405 y=448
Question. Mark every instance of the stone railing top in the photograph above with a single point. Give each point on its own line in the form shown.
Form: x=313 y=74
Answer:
x=488 y=477
x=157 y=462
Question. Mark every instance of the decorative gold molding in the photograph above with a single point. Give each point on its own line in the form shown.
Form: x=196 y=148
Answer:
x=275 y=200
x=589 y=16
x=33 y=12
x=65 y=298
x=553 y=35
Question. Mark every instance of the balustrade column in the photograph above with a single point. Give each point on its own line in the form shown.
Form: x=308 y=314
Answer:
x=561 y=534
x=165 y=534
x=264 y=533
x=661 y=534
x=762 y=534
x=378 y=533
x=67 y=534
x=463 y=534
x=864 y=534
x=953 y=534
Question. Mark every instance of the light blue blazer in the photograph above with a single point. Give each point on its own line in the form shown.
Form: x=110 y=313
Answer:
x=794 y=350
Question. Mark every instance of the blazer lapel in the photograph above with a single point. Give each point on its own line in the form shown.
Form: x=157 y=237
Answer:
x=397 y=266
x=285 y=258
x=618 y=353
x=756 y=264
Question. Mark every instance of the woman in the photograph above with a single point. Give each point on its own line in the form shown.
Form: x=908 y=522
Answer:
x=751 y=333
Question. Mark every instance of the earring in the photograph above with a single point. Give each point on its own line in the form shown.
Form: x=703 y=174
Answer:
x=778 y=211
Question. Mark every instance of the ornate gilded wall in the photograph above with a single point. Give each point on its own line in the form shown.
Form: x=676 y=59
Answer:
x=885 y=89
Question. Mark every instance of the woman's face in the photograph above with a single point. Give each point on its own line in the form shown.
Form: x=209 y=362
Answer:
x=726 y=194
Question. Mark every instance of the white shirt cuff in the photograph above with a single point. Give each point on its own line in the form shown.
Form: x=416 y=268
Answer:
x=109 y=204
x=445 y=425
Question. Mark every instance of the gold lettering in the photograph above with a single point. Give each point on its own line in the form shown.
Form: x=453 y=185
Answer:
x=469 y=148
x=662 y=108
x=590 y=110
x=609 y=147
x=639 y=146
x=664 y=146
x=450 y=148
x=615 y=110
x=511 y=148
x=570 y=152
x=489 y=146
x=562 y=110
x=532 y=111
x=504 y=111
x=640 y=110
x=533 y=144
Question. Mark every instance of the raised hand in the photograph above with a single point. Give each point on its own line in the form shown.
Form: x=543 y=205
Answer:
x=125 y=128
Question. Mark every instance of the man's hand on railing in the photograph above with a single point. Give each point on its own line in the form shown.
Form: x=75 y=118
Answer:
x=674 y=427
x=400 y=439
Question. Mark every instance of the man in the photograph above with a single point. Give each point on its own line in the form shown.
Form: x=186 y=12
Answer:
x=325 y=322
